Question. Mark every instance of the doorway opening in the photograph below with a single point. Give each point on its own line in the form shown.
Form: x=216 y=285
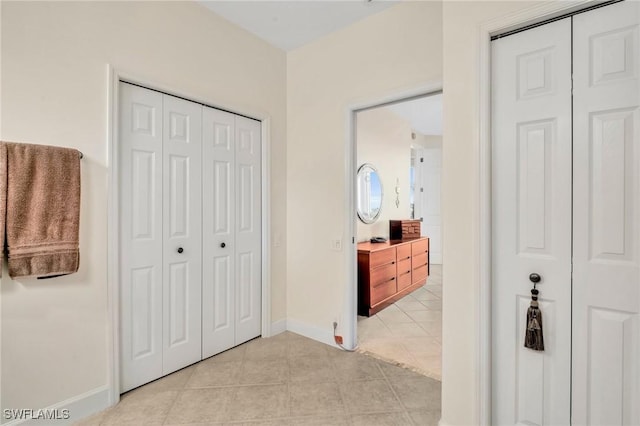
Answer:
x=399 y=146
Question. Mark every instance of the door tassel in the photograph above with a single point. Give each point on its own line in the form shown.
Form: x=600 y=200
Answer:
x=533 y=336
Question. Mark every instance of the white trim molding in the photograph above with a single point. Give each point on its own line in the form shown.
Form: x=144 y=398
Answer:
x=482 y=227
x=114 y=77
x=77 y=407
x=320 y=334
x=278 y=327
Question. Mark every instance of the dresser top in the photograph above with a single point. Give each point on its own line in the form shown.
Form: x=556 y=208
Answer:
x=368 y=247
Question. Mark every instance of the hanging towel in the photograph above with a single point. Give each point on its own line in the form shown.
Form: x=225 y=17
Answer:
x=42 y=209
x=3 y=198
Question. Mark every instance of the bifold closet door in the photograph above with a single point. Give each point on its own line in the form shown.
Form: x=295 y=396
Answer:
x=231 y=294
x=160 y=235
x=140 y=251
x=531 y=223
x=606 y=216
x=182 y=243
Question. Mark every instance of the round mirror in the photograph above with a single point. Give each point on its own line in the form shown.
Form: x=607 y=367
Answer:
x=369 y=201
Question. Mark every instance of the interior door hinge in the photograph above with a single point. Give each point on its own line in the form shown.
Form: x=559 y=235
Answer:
x=422 y=159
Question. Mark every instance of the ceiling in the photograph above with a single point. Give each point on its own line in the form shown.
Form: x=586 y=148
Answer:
x=291 y=24
x=424 y=114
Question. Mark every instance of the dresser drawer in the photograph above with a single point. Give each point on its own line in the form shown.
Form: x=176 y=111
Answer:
x=404 y=252
x=419 y=260
x=404 y=266
x=383 y=274
x=383 y=290
x=419 y=274
x=404 y=279
x=381 y=257
x=418 y=247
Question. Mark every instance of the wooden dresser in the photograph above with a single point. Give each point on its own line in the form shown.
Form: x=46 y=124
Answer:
x=388 y=271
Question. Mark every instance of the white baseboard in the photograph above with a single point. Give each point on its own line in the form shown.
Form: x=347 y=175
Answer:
x=78 y=407
x=324 y=335
x=279 y=326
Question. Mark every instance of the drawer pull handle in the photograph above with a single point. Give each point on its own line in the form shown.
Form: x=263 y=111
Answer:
x=408 y=257
x=393 y=263
x=392 y=279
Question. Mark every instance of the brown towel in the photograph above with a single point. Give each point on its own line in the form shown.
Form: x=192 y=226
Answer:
x=42 y=209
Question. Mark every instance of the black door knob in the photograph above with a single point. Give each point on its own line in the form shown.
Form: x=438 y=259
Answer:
x=223 y=245
x=535 y=278
x=180 y=249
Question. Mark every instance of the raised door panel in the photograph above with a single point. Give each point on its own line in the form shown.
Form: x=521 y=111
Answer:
x=140 y=115
x=219 y=221
x=182 y=257
x=606 y=218
x=248 y=229
x=531 y=214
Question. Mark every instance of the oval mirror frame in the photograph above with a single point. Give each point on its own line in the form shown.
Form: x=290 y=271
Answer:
x=369 y=194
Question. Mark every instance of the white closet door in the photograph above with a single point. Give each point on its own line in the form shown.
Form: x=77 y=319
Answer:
x=248 y=229
x=182 y=206
x=606 y=216
x=532 y=223
x=140 y=250
x=219 y=217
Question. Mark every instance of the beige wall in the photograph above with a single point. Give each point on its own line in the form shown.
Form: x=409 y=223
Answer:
x=384 y=140
x=387 y=53
x=461 y=23
x=54 y=91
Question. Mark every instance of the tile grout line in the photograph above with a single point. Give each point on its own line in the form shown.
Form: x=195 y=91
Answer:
x=395 y=394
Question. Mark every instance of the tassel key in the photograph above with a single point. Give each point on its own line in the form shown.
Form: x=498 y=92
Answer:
x=533 y=335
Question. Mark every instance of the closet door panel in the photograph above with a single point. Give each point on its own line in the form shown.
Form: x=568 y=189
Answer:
x=140 y=250
x=531 y=223
x=606 y=218
x=219 y=221
x=182 y=207
x=248 y=229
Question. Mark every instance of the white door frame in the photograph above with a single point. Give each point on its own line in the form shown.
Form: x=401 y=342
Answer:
x=114 y=76
x=482 y=227
x=350 y=308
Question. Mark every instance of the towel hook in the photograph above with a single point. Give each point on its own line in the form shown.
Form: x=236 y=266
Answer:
x=81 y=155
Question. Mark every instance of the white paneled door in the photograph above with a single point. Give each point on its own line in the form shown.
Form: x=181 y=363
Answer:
x=606 y=216
x=532 y=223
x=566 y=205
x=231 y=293
x=248 y=229
x=190 y=213
x=182 y=223
x=219 y=223
x=140 y=256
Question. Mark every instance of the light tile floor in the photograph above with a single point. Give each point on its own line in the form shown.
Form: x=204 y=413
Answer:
x=283 y=380
x=409 y=332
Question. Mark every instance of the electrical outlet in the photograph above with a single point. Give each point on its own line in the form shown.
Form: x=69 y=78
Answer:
x=336 y=244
